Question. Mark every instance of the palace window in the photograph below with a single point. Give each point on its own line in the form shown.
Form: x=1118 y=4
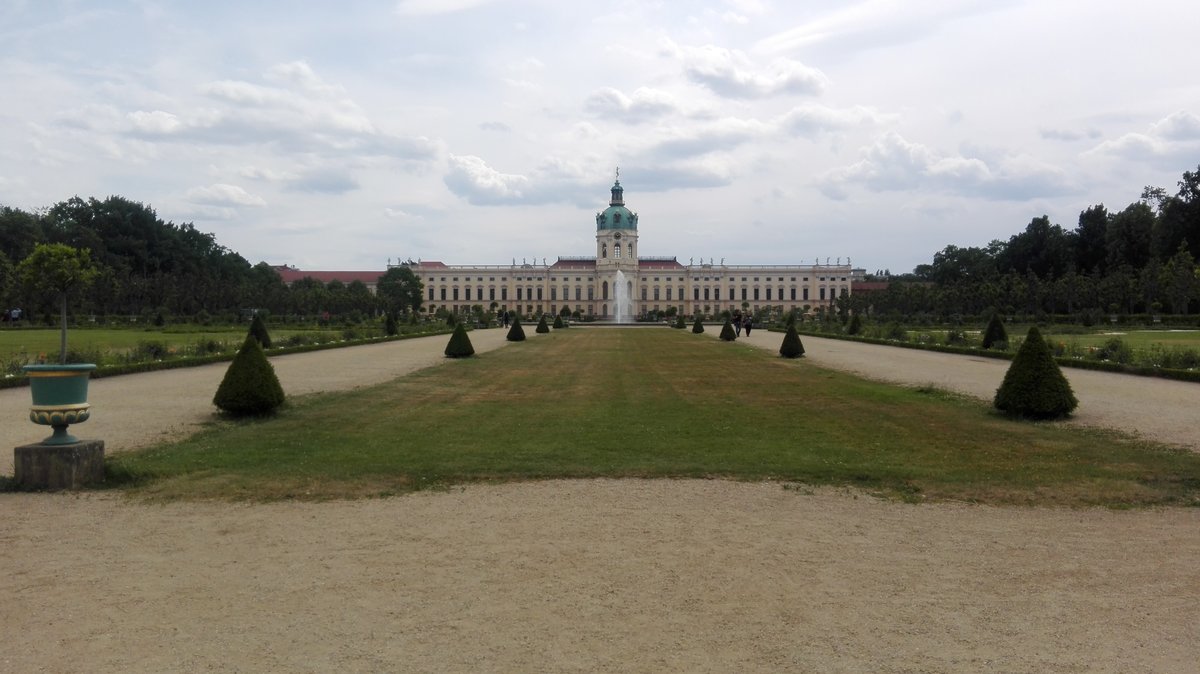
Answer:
x=456 y=294
x=431 y=293
x=519 y=296
x=696 y=294
x=656 y=294
x=806 y=294
x=617 y=251
x=768 y=294
x=756 y=294
x=668 y=293
x=443 y=294
x=553 y=293
x=643 y=293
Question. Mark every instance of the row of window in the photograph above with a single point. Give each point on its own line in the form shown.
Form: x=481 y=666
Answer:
x=713 y=294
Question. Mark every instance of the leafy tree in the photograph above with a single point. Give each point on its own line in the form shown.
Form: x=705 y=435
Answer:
x=20 y=232
x=698 y=326
x=1179 y=278
x=57 y=269
x=1089 y=239
x=1129 y=235
x=250 y=386
x=727 y=333
x=390 y=326
x=400 y=289
x=679 y=322
x=459 y=345
x=258 y=330
x=516 y=333
x=542 y=328
x=565 y=313
x=995 y=334
x=1034 y=386
x=791 y=347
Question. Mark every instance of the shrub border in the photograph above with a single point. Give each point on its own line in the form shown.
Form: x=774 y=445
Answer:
x=196 y=361
x=1098 y=365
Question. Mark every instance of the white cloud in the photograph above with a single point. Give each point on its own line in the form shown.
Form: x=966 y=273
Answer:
x=155 y=123
x=472 y=179
x=731 y=73
x=644 y=105
x=1172 y=138
x=223 y=194
x=432 y=7
x=895 y=164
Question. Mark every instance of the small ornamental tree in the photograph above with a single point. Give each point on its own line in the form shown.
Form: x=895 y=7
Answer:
x=558 y=323
x=542 y=328
x=791 y=347
x=995 y=334
x=516 y=333
x=390 y=326
x=697 y=327
x=258 y=330
x=855 y=325
x=57 y=269
x=250 y=386
x=459 y=345
x=679 y=322
x=727 y=334
x=1034 y=387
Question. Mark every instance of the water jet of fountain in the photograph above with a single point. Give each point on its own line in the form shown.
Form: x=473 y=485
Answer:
x=621 y=299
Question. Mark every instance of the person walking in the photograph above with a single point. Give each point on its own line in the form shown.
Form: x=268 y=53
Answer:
x=748 y=324
x=737 y=323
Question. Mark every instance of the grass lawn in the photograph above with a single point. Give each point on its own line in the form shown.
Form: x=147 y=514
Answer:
x=654 y=403
x=1136 y=339
x=26 y=345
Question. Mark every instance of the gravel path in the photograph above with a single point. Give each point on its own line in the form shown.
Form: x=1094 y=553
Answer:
x=1159 y=409
x=134 y=411
x=568 y=575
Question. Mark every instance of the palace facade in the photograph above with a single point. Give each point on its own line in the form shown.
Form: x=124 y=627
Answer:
x=618 y=284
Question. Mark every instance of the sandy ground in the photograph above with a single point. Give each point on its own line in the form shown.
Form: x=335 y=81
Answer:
x=1158 y=409
x=134 y=411
x=596 y=575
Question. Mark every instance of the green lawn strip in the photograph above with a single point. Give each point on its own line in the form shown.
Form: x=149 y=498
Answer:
x=654 y=403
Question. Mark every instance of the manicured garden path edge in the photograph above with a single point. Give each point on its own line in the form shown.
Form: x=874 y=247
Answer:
x=1102 y=366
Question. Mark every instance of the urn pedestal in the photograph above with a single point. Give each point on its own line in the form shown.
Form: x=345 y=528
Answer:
x=61 y=461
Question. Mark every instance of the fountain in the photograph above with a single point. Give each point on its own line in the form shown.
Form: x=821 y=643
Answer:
x=621 y=309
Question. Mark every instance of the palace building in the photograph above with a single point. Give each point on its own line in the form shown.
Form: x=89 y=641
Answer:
x=618 y=284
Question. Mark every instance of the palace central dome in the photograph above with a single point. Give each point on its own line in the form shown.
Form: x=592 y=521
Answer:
x=616 y=216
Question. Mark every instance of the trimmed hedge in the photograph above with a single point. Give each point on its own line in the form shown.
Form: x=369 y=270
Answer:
x=791 y=347
x=697 y=327
x=995 y=333
x=516 y=333
x=1034 y=387
x=542 y=328
x=250 y=386
x=558 y=323
x=679 y=322
x=727 y=334
x=258 y=330
x=459 y=345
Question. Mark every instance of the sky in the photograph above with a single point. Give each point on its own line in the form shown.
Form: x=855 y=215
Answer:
x=347 y=135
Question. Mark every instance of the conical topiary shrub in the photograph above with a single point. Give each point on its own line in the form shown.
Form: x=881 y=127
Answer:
x=258 y=329
x=855 y=325
x=791 y=347
x=697 y=327
x=516 y=333
x=995 y=334
x=679 y=322
x=727 y=334
x=1034 y=387
x=250 y=386
x=542 y=328
x=390 y=327
x=459 y=345
x=558 y=323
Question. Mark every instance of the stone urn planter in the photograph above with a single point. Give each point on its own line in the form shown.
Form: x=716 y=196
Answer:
x=59 y=398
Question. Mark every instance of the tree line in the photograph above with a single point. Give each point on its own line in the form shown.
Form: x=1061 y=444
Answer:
x=146 y=267
x=1138 y=260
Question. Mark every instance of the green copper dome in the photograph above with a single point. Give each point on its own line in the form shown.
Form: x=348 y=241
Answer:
x=616 y=216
